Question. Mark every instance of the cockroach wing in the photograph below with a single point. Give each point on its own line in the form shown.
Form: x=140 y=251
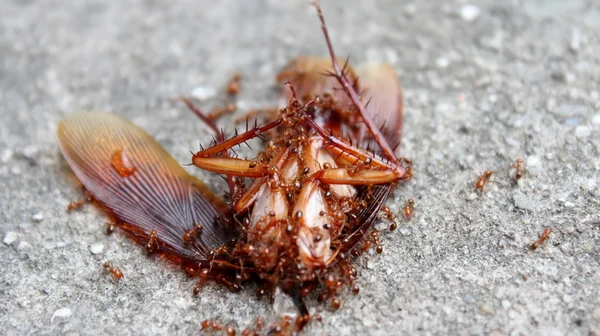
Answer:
x=381 y=88
x=142 y=185
x=308 y=76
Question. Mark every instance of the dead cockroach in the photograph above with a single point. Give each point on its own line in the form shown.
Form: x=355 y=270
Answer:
x=295 y=211
x=518 y=166
x=116 y=273
x=483 y=180
x=545 y=235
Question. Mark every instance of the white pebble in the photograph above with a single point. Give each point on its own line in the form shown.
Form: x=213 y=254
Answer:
x=596 y=119
x=534 y=161
x=37 y=217
x=469 y=12
x=7 y=154
x=203 y=92
x=583 y=132
x=97 y=248
x=10 y=238
x=62 y=313
x=30 y=152
x=442 y=62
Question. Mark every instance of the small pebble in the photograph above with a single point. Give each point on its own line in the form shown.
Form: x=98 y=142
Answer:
x=487 y=309
x=7 y=154
x=575 y=42
x=10 y=238
x=31 y=152
x=62 y=313
x=37 y=217
x=469 y=13
x=97 y=248
x=596 y=314
x=596 y=119
x=203 y=92
x=468 y=298
x=583 y=132
x=442 y=62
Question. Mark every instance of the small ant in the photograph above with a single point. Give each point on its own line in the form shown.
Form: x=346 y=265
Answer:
x=518 y=165
x=152 y=244
x=233 y=87
x=116 y=273
x=409 y=208
x=483 y=180
x=541 y=240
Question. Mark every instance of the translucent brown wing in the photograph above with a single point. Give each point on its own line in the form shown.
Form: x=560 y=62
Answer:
x=380 y=86
x=141 y=184
x=308 y=76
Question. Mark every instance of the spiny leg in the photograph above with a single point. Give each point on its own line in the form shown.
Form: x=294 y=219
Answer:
x=341 y=77
x=232 y=182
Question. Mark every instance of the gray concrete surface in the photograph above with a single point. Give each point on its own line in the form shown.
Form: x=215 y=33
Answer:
x=485 y=83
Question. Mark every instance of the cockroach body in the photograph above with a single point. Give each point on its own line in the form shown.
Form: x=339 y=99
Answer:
x=296 y=210
x=544 y=236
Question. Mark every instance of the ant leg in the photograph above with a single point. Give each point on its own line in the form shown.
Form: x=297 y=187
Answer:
x=341 y=78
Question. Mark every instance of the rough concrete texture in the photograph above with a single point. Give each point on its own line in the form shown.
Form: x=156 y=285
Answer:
x=485 y=82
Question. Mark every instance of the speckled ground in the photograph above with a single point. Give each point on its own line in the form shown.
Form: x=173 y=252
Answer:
x=485 y=82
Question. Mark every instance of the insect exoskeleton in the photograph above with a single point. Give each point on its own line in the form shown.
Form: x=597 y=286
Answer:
x=296 y=211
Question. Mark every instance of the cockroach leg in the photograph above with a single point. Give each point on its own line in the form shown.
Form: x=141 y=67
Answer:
x=232 y=182
x=238 y=139
x=545 y=235
x=360 y=177
x=218 y=112
x=483 y=180
x=341 y=77
x=356 y=155
x=116 y=273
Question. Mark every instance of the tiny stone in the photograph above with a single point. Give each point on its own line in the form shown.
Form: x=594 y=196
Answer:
x=596 y=119
x=23 y=246
x=487 y=309
x=549 y=156
x=30 y=152
x=569 y=204
x=596 y=314
x=534 y=163
x=62 y=313
x=468 y=298
x=583 y=132
x=7 y=154
x=10 y=238
x=505 y=304
x=97 y=248
x=469 y=12
x=37 y=217
x=15 y=170
x=442 y=62
x=203 y=92
x=575 y=42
